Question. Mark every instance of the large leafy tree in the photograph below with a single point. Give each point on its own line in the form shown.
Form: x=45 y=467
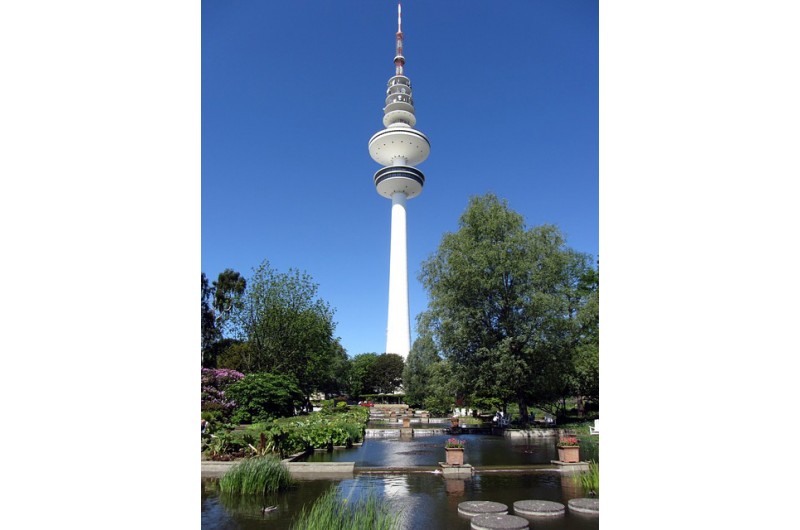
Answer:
x=360 y=374
x=417 y=380
x=216 y=304
x=228 y=286
x=336 y=374
x=587 y=359
x=371 y=373
x=503 y=305
x=287 y=327
x=387 y=373
x=440 y=396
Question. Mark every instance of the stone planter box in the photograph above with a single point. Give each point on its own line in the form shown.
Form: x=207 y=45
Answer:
x=454 y=456
x=569 y=454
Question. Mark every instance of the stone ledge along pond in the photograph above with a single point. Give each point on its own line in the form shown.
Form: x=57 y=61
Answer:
x=402 y=471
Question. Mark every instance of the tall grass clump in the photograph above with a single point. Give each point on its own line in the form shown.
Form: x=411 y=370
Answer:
x=331 y=513
x=256 y=476
x=589 y=481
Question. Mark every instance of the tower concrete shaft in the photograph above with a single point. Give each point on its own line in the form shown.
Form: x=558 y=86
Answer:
x=398 y=332
x=399 y=147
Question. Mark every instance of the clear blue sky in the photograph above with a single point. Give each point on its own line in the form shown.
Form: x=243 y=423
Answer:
x=507 y=93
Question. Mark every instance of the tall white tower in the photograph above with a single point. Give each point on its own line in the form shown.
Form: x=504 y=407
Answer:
x=399 y=147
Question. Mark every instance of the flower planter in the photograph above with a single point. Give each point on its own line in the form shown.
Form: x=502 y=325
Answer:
x=454 y=456
x=569 y=453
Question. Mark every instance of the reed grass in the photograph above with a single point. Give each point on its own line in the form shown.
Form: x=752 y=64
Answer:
x=589 y=481
x=329 y=512
x=256 y=476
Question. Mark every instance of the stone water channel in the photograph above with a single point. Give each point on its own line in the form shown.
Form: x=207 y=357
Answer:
x=404 y=471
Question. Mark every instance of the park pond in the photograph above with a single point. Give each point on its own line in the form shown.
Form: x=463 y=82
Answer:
x=427 y=451
x=426 y=499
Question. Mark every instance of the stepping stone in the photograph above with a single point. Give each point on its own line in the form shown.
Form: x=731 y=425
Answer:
x=492 y=521
x=473 y=508
x=539 y=508
x=585 y=506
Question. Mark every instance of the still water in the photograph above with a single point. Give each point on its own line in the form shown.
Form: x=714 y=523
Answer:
x=480 y=450
x=426 y=500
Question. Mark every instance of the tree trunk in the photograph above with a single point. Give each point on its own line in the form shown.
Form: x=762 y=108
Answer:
x=523 y=412
x=580 y=406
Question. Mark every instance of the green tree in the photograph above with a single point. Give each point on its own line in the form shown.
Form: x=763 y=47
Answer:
x=386 y=373
x=208 y=329
x=233 y=354
x=440 y=397
x=361 y=374
x=228 y=286
x=261 y=397
x=216 y=304
x=419 y=363
x=587 y=358
x=503 y=305
x=288 y=329
x=334 y=380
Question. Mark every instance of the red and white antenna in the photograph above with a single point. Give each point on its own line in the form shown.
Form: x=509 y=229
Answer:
x=399 y=60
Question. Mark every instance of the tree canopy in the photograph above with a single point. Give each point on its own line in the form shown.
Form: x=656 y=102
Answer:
x=504 y=302
x=387 y=373
x=216 y=303
x=371 y=373
x=287 y=327
x=419 y=366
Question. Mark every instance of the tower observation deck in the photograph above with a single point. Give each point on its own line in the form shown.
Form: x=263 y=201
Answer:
x=399 y=147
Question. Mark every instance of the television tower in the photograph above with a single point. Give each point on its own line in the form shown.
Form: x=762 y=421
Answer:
x=399 y=147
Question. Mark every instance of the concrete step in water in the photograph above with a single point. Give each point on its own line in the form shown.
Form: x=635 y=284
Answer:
x=498 y=522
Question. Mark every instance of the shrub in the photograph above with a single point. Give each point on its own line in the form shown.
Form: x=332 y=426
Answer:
x=437 y=406
x=225 y=446
x=264 y=396
x=213 y=397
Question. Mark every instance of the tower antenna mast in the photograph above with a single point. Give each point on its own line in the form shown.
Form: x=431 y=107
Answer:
x=399 y=60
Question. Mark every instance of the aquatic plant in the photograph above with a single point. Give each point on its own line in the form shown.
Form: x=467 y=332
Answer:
x=256 y=476
x=589 y=480
x=329 y=512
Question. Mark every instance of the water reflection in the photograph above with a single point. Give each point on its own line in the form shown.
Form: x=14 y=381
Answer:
x=455 y=486
x=426 y=500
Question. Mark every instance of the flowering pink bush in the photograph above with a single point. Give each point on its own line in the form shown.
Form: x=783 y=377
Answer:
x=568 y=441
x=214 y=381
x=454 y=443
